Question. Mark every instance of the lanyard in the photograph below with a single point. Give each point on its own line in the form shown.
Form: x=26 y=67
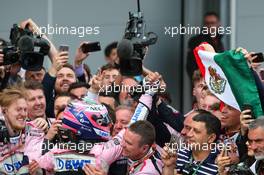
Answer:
x=132 y=168
x=199 y=165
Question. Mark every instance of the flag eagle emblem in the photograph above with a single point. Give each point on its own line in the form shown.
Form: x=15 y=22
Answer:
x=216 y=82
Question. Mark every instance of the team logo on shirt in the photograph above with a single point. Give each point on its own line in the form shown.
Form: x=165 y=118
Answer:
x=71 y=161
x=13 y=165
x=9 y=168
x=71 y=164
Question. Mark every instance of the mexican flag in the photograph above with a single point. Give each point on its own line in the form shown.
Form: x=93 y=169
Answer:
x=229 y=78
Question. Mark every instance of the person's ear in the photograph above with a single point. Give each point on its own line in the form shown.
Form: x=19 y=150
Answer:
x=145 y=148
x=193 y=91
x=211 y=138
x=4 y=110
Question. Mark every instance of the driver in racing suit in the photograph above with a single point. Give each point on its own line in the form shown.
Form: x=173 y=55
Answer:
x=104 y=157
x=112 y=150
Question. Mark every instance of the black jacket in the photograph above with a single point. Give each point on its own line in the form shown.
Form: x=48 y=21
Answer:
x=164 y=114
x=48 y=85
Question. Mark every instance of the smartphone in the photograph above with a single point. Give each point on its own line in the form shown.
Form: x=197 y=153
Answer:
x=174 y=144
x=248 y=106
x=63 y=48
x=225 y=150
x=259 y=58
x=91 y=47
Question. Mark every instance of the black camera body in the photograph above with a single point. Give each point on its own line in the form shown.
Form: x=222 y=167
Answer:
x=11 y=55
x=136 y=31
x=25 y=48
x=132 y=49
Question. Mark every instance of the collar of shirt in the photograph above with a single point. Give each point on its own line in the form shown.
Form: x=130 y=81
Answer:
x=210 y=159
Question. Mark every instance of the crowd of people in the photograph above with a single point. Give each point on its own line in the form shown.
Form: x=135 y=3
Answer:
x=64 y=120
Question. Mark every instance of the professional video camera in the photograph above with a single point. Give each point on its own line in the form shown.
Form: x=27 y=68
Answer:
x=132 y=49
x=25 y=48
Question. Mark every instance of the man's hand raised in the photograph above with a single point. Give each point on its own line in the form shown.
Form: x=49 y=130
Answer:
x=80 y=56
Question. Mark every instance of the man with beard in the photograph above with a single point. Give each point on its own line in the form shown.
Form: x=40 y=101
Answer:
x=65 y=77
x=256 y=142
x=58 y=79
x=60 y=76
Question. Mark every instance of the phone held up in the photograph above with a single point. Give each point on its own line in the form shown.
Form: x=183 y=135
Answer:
x=91 y=47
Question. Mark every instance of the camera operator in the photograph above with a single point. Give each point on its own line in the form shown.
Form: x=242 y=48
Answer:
x=110 y=74
x=132 y=72
x=35 y=75
x=36 y=30
x=22 y=49
x=111 y=53
x=9 y=73
x=56 y=80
